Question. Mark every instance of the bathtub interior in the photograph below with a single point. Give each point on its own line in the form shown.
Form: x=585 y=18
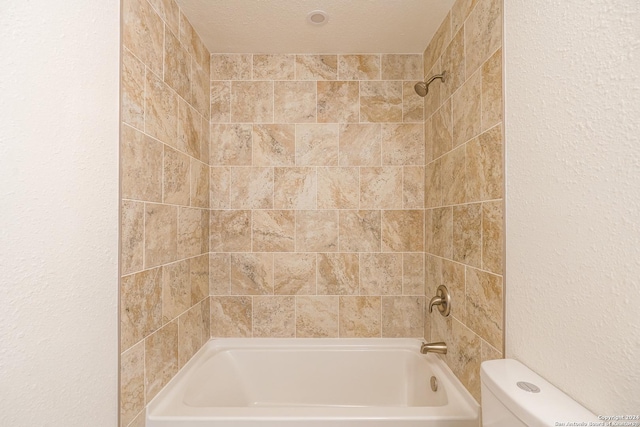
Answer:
x=307 y=377
x=266 y=382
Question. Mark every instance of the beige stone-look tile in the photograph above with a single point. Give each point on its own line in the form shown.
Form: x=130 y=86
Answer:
x=205 y=142
x=317 y=316
x=143 y=33
x=273 y=67
x=360 y=231
x=132 y=383
x=438 y=43
x=274 y=145
x=441 y=130
x=160 y=234
x=381 y=188
x=168 y=11
x=219 y=274
x=189 y=335
x=220 y=96
x=132 y=80
x=464 y=357
x=466 y=107
x=139 y=420
x=199 y=184
x=441 y=327
x=192 y=42
x=451 y=274
x=433 y=184
x=428 y=143
x=380 y=274
x=338 y=188
x=483 y=33
x=454 y=177
x=359 y=67
x=190 y=132
x=205 y=309
x=231 y=66
x=176 y=181
x=484 y=298
x=467 y=234
x=413 y=187
x=459 y=13
x=200 y=89
x=295 y=274
x=452 y=62
x=402 y=231
x=193 y=232
x=219 y=185
x=160 y=358
x=274 y=317
x=337 y=101
x=317 y=231
x=402 y=316
x=413 y=276
x=487 y=352
x=338 y=274
x=176 y=289
x=433 y=99
x=492 y=236
x=199 y=274
x=161 y=110
x=294 y=102
x=381 y=101
x=230 y=231
x=360 y=317
x=316 y=67
x=231 y=144
x=132 y=236
x=317 y=144
x=177 y=66
x=231 y=317
x=251 y=188
x=141 y=166
x=140 y=306
x=360 y=144
x=295 y=188
x=401 y=67
x=439 y=232
x=492 y=91
x=273 y=231
x=412 y=104
x=484 y=166
x=252 y=274
x=402 y=144
x=252 y=102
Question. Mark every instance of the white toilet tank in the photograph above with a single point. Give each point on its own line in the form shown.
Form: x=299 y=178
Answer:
x=515 y=396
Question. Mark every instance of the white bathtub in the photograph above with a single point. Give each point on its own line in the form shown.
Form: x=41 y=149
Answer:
x=313 y=382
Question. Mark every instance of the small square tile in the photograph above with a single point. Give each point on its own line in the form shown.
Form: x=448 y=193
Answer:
x=338 y=274
x=360 y=317
x=380 y=274
x=274 y=317
x=317 y=317
x=296 y=274
x=317 y=231
x=231 y=317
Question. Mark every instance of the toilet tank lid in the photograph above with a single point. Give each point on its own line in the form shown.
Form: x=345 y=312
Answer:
x=544 y=408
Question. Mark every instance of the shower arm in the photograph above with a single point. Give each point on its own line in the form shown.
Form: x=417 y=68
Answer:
x=437 y=76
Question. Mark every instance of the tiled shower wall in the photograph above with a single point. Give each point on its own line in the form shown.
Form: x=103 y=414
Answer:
x=317 y=196
x=165 y=200
x=465 y=185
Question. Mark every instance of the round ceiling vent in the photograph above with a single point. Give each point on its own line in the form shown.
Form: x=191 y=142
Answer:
x=317 y=17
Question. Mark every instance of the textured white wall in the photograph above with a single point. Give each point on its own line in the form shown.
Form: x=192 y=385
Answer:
x=573 y=196
x=58 y=213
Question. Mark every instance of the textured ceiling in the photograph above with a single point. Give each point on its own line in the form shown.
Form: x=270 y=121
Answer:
x=280 y=26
